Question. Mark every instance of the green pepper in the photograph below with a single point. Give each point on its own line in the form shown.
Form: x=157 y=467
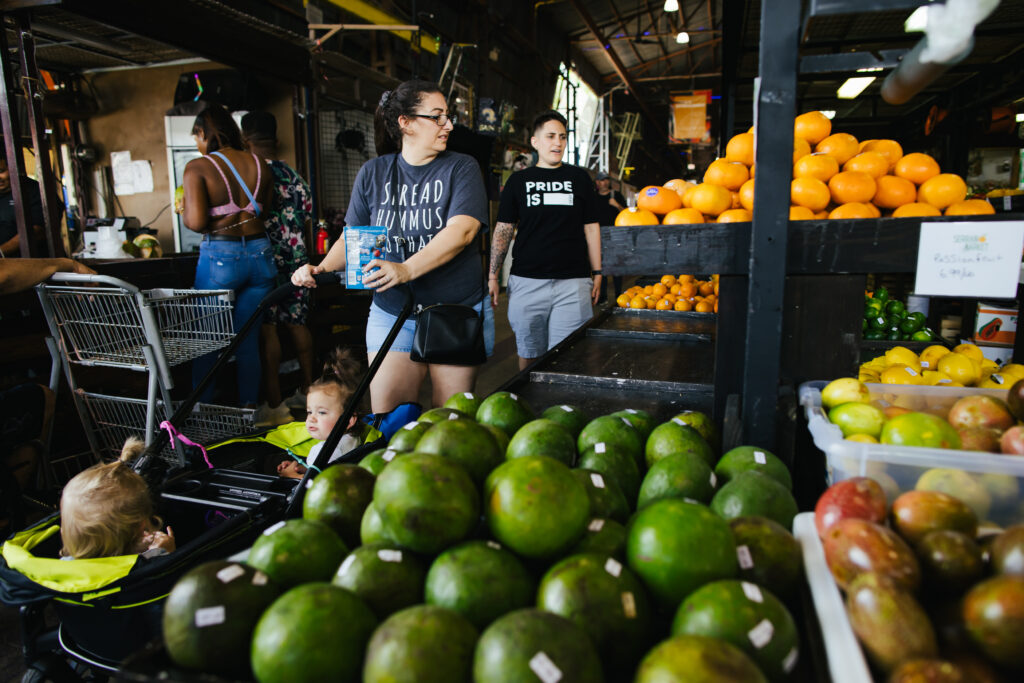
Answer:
x=910 y=325
x=894 y=307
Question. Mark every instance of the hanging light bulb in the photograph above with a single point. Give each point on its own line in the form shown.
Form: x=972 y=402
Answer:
x=671 y=5
x=682 y=37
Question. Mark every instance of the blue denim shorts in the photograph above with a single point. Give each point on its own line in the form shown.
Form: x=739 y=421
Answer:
x=380 y=322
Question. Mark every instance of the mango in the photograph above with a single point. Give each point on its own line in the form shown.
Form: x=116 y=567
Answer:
x=857 y=546
x=889 y=622
x=915 y=513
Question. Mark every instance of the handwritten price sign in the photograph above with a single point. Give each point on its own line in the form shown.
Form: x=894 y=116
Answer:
x=970 y=259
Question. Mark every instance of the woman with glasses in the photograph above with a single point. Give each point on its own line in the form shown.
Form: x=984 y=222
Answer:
x=434 y=205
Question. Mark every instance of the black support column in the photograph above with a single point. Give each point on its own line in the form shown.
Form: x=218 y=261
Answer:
x=775 y=102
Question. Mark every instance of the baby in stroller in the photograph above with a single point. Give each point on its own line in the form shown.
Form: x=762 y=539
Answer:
x=107 y=511
x=325 y=402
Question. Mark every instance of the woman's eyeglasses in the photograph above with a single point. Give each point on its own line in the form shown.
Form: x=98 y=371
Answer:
x=439 y=119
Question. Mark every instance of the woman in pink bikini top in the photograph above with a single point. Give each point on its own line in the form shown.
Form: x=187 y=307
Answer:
x=226 y=190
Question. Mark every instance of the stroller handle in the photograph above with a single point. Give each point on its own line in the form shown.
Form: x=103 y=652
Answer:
x=295 y=498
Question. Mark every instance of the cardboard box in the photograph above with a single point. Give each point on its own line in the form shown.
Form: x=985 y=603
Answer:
x=995 y=325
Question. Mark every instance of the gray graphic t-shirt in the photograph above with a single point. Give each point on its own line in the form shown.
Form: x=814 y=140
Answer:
x=424 y=199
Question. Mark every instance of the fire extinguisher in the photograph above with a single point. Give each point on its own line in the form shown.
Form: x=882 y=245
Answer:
x=323 y=240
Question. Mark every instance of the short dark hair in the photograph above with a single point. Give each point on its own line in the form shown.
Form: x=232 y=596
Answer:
x=550 y=115
x=218 y=128
x=402 y=101
x=259 y=126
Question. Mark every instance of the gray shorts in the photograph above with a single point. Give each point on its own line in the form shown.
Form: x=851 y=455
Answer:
x=544 y=312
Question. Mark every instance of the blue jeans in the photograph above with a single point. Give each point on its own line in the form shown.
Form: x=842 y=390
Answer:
x=247 y=268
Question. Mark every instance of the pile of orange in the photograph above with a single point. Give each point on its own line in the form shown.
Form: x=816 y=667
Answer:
x=834 y=176
x=674 y=293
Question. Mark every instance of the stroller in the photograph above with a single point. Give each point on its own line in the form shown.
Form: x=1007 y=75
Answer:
x=111 y=607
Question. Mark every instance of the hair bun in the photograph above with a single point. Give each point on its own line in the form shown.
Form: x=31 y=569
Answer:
x=385 y=98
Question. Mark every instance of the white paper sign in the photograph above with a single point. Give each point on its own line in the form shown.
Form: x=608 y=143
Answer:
x=970 y=259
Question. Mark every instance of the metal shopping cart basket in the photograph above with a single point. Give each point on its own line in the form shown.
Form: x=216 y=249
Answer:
x=97 y=320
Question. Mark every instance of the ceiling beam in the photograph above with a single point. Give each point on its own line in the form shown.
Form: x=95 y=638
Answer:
x=640 y=68
x=617 y=64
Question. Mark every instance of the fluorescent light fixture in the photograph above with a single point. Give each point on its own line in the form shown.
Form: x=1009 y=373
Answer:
x=917 y=21
x=869 y=69
x=682 y=37
x=829 y=113
x=1019 y=118
x=671 y=5
x=853 y=87
x=690 y=167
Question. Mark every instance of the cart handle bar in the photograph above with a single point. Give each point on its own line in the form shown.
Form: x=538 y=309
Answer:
x=82 y=278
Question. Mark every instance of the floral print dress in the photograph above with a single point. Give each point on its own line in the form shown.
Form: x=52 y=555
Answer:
x=285 y=223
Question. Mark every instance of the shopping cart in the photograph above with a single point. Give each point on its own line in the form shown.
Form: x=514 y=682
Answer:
x=97 y=320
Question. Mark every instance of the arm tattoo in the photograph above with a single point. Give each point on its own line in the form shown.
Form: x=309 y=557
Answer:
x=499 y=245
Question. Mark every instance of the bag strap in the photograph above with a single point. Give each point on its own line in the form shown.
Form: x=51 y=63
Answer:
x=404 y=242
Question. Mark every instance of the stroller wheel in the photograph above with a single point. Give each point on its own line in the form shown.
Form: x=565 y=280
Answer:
x=50 y=667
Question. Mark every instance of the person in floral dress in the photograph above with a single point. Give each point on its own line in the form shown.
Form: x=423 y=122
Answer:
x=285 y=220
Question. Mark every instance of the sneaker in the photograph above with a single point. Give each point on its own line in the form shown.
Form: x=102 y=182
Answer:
x=296 y=401
x=265 y=416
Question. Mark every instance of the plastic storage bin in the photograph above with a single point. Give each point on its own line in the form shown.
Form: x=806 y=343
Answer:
x=990 y=483
x=846 y=662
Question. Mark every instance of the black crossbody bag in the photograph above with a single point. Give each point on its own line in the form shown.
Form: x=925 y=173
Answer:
x=446 y=334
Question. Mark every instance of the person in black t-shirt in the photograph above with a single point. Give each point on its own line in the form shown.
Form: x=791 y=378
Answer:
x=10 y=243
x=556 y=262
x=610 y=202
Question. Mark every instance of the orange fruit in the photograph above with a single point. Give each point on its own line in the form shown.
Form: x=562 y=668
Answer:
x=679 y=186
x=942 y=190
x=687 y=195
x=736 y=203
x=821 y=215
x=663 y=305
x=648 y=290
x=668 y=280
x=970 y=207
x=800 y=213
x=687 y=289
x=670 y=297
x=915 y=209
x=820 y=166
x=747 y=195
x=683 y=305
x=875 y=211
x=872 y=163
x=637 y=302
x=852 y=186
x=852 y=210
x=659 y=290
x=893 y=192
x=741 y=148
x=752 y=169
x=622 y=301
x=801 y=148
x=812 y=126
x=716 y=306
x=683 y=217
x=916 y=167
x=735 y=216
x=842 y=146
x=890 y=149
x=810 y=193
x=685 y=278
x=674 y=289
x=658 y=200
x=650 y=302
x=729 y=174
x=711 y=199
x=704 y=307
x=634 y=216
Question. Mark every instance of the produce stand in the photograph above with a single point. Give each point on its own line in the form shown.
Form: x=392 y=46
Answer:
x=658 y=361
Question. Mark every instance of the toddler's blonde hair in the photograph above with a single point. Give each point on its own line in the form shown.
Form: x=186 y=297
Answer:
x=105 y=509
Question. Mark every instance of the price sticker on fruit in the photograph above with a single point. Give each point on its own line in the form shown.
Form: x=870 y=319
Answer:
x=970 y=259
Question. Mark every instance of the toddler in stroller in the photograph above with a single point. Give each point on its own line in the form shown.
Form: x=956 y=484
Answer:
x=325 y=403
x=106 y=511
